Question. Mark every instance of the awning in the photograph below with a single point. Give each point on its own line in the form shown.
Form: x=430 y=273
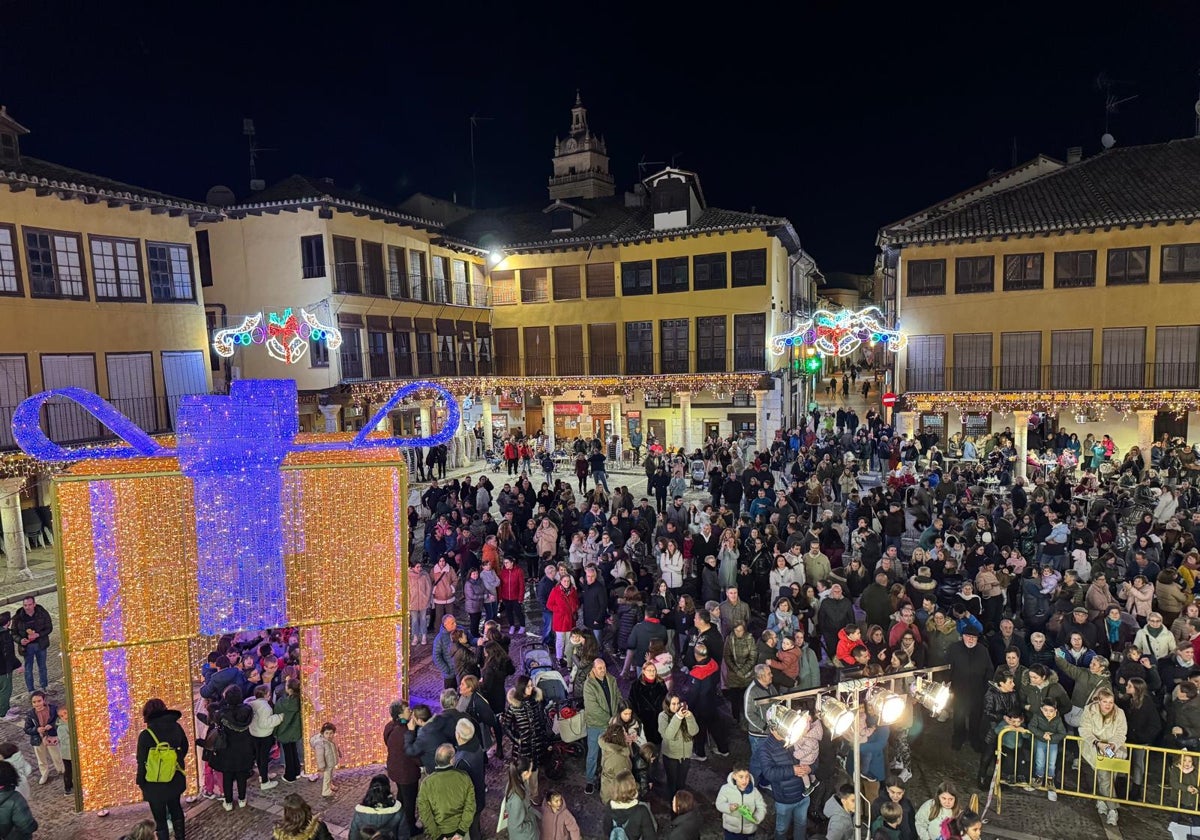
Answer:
x=378 y=322
x=423 y=324
x=402 y=324
x=345 y=320
x=483 y=329
x=466 y=330
x=445 y=326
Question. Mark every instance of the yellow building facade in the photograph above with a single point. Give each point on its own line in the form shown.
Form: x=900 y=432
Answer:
x=101 y=287
x=1072 y=293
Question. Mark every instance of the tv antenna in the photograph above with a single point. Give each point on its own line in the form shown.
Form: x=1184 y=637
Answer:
x=256 y=183
x=644 y=165
x=475 y=120
x=1112 y=102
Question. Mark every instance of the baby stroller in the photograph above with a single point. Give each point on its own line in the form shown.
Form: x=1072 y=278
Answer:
x=699 y=474
x=492 y=459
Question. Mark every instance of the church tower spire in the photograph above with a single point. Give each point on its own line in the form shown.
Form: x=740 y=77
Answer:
x=580 y=161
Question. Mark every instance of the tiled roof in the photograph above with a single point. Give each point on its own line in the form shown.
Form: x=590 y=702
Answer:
x=35 y=174
x=1121 y=186
x=528 y=227
x=301 y=189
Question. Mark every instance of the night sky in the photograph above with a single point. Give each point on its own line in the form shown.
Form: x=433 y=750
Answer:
x=840 y=116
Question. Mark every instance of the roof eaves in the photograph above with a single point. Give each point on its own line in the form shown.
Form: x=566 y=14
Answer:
x=123 y=196
x=391 y=215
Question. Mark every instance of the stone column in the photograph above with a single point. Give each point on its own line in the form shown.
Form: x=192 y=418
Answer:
x=14 y=530
x=330 y=413
x=385 y=424
x=614 y=409
x=1020 y=436
x=426 y=410
x=548 y=422
x=685 y=420
x=760 y=421
x=488 y=441
x=1145 y=434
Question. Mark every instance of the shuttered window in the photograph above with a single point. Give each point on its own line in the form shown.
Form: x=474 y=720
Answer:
x=1124 y=360
x=972 y=362
x=1176 y=357
x=602 y=349
x=535 y=285
x=537 y=351
x=504 y=288
x=710 y=344
x=566 y=282
x=1071 y=360
x=674 y=339
x=601 y=280
x=974 y=274
x=1020 y=361
x=14 y=388
x=639 y=347
x=568 y=350
x=926 y=363
x=506 y=345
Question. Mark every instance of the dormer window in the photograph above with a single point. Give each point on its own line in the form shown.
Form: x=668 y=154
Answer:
x=8 y=147
x=670 y=195
x=562 y=220
x=10 y=137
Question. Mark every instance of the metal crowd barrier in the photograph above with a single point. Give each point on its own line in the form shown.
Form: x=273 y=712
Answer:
x=1136 y=776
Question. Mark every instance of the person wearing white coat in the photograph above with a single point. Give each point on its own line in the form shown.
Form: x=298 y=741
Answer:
x=933 y=812
x=262 y=731
x=740 y=804
x=671 y=563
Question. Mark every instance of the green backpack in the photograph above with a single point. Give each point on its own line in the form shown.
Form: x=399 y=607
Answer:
x=162 y=762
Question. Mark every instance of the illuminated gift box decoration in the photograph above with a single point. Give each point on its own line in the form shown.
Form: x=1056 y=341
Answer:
x=244 y=526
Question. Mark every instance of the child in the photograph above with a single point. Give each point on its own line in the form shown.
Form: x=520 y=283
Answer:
x=558 y=823
x=849 y=637
x=664 y=662
x=887 y=824
x=1182 y=790
x=741 y=805
x=1048 y=731
x=644 y=757
x=326 y=753
x=786 y=665
x=64 y=748
x=10 y=753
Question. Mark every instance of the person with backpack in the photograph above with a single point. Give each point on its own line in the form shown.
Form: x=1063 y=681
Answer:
x=161 y=749
x=16 y=820
x=629 y=819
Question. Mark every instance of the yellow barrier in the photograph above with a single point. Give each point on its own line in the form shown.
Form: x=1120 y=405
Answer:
x=1147 y=777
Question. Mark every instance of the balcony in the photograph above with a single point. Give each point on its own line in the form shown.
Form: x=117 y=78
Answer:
x=747 y=360
x=347 y=278
x=402 y=286
x=67 y=423
x=1066 y=377
x=613 y=364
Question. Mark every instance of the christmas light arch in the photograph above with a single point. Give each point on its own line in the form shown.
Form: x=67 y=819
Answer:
x=839 y=333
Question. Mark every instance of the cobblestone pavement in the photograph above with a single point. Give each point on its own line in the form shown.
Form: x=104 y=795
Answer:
x=1023 y=815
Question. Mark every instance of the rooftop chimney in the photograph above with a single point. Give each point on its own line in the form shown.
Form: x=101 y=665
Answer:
x=1074 y=154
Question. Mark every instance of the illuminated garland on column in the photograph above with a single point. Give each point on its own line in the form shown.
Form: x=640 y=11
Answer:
x=1053 y=402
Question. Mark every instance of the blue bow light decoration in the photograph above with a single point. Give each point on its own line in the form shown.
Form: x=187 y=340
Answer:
x=232 y=447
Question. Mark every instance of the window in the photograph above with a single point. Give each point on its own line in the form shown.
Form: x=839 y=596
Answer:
x=566 y=282
x=670 y=195
x=1020 y=361
x=1180 y=264
x=204 y=258
x=378 y=353
x=1128 y=267
x=441 y=272
x=974 y=274
x=66 y=421
x=117 y=268
x=935 y=425
x=318 y=354
x=749 y=268
x=568 y=350
x=673 y=338
x=55 y=267
x=1176 y=357
x=1022 y=272
x=1071 y=360
x=416 y=276
x=926 y=277
x=504 y=288
x=10 y=270
x=397 y=279
x=926 y=363
x=14 y=388
x=602 y=350
x=402 y=349
x=351 y=353
x=425 y=354
x=601 y=280
x=639 y=347
x=673 y=274
x=446 y=363
x=1123 y=363
x=743 y=399
x=749 y=341
x=537 y=351
x=976 y=427
x=1074 y=269
x=710 y=344
x=660 y=400
x=312 y=256
x=637 y=278
x=535 y=285
x=972 y=362
x=170 y=272
x=372 y=267
x=709 y=271
x=458 y=289
x=345 y=266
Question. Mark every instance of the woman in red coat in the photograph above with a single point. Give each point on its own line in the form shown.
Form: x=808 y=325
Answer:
x=510 y=456
x=512 y=595
x=563 y=604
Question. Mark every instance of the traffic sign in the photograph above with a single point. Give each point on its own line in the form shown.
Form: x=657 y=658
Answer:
x=889 y=399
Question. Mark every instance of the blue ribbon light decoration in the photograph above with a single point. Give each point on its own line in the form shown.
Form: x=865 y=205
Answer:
x=232 y=447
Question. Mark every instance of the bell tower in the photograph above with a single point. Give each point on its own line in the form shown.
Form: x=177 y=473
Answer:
x=580 y=161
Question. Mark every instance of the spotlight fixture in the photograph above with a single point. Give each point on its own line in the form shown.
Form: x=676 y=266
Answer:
x=789 y=724
x=836 y=716
x=884 y=705
x=932 y=695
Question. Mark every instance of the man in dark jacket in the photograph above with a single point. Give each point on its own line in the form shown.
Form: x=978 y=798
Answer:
x=8 y=663
x=643 y=633
x=423 y=739
x=762 y=687
x=443 y=645
x=784 y=775
x=593 y=597
x=970 y=668
x=219 y=680
x=31 y=629
x=16 y=820
x=876 y=601
x=162 y=725
x=893 y=526
x=707 y=634
x=473 y=762
x=703 y=701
